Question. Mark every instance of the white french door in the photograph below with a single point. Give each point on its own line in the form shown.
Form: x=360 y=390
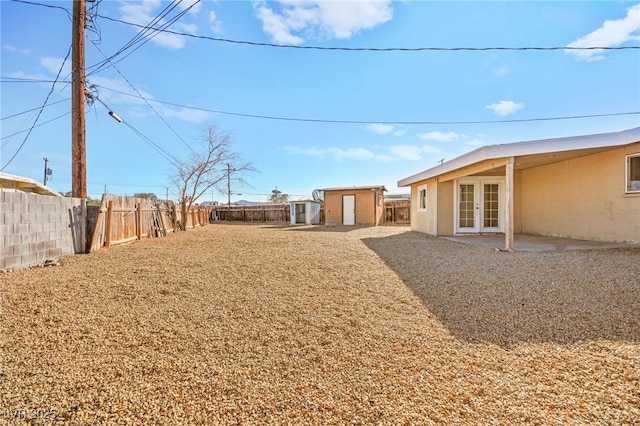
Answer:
x=479 y=205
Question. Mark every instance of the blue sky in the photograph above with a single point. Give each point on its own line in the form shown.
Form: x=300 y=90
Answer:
x=405 y=108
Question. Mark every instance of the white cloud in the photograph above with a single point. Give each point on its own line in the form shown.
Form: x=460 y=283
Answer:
x=505 y=107
x=430 y=149
x=381 y=129
x=11 y=48
x=185 y=114
x=501 y=71
x=312 y=152
x=52 y=65
x=350 y=154
x=119 y=92
x=611 y=33
x=197 y=6
x=381 y=158
x=476 y=142
x=439 y=136
x=316 y=18
x=214 y=22
x=143 y=13
x=406 y=152
x=399 y=133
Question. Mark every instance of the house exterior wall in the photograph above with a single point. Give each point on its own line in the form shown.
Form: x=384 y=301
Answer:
x=425 y=220
x=368 y=210
x=581 y=198
x=35 y=228
x=446 y=205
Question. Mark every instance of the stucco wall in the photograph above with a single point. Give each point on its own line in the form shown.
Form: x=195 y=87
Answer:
x=581 y=198
x=425 y=220
x=368 y=212
x=36 y=228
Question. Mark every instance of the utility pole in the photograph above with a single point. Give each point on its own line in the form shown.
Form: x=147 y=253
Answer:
x=228 y=188
x=45 y=171
x=78 y=148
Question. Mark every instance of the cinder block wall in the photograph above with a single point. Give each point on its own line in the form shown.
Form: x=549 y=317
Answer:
x=36 y=228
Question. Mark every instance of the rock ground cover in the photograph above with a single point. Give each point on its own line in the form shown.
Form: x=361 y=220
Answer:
x=263 y=324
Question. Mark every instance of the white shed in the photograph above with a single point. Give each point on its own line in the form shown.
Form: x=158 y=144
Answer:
x=305 y=212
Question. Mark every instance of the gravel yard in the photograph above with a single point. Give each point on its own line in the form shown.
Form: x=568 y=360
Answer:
x=264 y=324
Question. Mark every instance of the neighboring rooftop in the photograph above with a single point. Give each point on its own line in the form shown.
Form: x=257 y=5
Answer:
x=24 y=184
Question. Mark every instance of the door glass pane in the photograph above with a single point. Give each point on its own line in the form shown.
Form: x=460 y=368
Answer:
x=491 y=209
x=466 y=206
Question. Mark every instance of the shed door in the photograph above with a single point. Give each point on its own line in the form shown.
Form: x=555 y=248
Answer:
x=300 y=213
x=348 y=209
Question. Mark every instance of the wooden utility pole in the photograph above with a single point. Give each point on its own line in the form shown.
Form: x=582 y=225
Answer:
x=228 y=188
x=78 y=148
x=46 y=169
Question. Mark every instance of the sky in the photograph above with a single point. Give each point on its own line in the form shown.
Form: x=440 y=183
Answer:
x=314 y=94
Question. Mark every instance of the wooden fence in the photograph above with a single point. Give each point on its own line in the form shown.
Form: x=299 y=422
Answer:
x=258 y=213
x=397 y=212
x=123 y=219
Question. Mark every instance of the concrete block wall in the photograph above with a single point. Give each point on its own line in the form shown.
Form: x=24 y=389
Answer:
x=36 y=228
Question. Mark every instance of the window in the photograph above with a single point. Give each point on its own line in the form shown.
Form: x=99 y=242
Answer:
x=422 y=197
x=633 y=173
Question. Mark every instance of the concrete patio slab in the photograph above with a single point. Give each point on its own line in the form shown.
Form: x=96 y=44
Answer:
x=526 y=242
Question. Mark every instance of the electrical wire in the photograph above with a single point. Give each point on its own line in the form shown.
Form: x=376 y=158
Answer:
x=374 y=49
x=157 y=147
x=329 y=121
x=148 y=104
x=39 y=112
x=39 y=125
x=33 y=109
x=148 y=32
x=348 y=49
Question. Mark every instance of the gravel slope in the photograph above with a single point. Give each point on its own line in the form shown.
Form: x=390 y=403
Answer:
x=253 y=324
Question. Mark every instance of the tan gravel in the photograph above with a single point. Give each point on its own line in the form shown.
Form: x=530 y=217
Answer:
x=263 y=324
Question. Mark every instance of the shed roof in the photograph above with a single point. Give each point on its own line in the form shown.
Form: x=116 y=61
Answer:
x=347 y=188
x=573 y=146
x=25 y=184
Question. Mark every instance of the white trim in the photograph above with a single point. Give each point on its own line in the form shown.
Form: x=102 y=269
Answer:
x=419 y=207
x=627 y=174
x=479 y=182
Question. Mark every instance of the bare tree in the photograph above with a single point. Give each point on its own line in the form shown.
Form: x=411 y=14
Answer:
x=208 y=168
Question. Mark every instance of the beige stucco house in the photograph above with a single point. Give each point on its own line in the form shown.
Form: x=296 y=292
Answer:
x=584 y=187
x=355 y=205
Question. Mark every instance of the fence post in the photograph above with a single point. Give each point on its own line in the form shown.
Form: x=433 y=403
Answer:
x=139 y=220
x=107 y=226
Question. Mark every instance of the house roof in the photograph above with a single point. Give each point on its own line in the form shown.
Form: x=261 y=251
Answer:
x=348 y=188
x=541 y=150
x=25 y=184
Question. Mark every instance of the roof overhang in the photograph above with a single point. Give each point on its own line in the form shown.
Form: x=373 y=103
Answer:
x=355 y=188
x=527 y=154
x=24 y=184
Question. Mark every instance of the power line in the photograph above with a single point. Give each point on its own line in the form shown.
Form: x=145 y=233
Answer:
x=33 y=109
x=146 y=101
x=147 y=33
x=39 y=112
x=330 y=121
x=353 y=49
x=39 y=125
x=372 y=49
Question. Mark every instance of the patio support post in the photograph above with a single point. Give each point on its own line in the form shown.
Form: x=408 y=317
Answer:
x=508 y=205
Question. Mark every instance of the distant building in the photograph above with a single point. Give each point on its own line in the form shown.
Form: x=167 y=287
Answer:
x=356 y=205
